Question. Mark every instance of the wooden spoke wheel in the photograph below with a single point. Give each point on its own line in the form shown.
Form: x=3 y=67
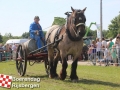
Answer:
x=21 y=60
x=46 y=65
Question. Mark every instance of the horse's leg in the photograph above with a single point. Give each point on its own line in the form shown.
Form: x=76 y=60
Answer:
x=55 y=63
x=50 y=60
x=73 y=75
x=63 y=72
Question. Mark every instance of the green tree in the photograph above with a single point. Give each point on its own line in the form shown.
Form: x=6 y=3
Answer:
x=44 y=32
x=114 y=27
x=16 y=37
x=8 y=35
x=25 y=35
x=119 y=22
x=1 y=39
x=91 y=32
x=104 y=32
x=59 y=21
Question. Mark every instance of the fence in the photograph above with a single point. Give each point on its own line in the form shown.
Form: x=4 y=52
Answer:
x=5 y=56
x=104 y=56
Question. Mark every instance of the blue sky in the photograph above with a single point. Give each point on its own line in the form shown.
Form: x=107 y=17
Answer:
x=16 y=15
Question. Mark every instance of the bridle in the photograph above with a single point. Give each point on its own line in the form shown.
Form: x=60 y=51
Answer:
x=73 y=22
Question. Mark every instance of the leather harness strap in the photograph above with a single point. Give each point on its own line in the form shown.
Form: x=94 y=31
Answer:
x=57 y=36
x=70 y=36
x=58 y=32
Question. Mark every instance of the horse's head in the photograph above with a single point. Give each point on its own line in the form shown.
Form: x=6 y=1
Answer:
x=77 y=22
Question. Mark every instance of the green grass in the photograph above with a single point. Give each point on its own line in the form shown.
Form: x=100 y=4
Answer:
x=90 y=77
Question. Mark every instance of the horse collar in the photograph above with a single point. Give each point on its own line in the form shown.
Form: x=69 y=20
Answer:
x=71 y=37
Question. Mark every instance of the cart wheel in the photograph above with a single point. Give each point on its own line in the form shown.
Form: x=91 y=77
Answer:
x=46 y=66
x=21 y=64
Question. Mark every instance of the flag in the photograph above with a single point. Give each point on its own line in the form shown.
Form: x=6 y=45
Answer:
x=98 y=31
x=5 y=81
x=98 y=26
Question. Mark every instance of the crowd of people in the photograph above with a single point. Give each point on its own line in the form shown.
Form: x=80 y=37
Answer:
x=7 y=51
x=105 y=52
x=99 y=51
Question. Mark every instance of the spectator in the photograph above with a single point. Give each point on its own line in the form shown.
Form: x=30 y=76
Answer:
x=89 y=51
x=14 y=48
x=87 y=41
x=10 y=47
x=110 y=44
x=117 y=43
x=117 y=35
x=7 y=52
x=114 y=56
x=93 y=54
x=1 y=51
x=98 y=47
x=108 y=58
x=104 y=43
x=104 y=55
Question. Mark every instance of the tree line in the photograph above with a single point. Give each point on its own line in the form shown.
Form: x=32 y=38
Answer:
x=113 y=30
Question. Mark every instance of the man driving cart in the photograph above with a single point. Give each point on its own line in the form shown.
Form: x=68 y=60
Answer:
x=36 y=32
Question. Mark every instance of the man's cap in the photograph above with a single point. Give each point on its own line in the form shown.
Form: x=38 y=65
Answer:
x=36 y=17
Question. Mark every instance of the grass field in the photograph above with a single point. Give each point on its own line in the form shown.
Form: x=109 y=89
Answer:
x=90 y=77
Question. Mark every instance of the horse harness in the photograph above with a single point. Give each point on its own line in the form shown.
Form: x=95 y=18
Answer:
x=67 y=32
x=70 y=36
x=56 y=37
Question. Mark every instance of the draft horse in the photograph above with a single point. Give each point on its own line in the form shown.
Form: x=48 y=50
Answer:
x=71 y=44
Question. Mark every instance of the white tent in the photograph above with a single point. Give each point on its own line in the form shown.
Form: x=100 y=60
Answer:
x=114 y=40
x=16 y=41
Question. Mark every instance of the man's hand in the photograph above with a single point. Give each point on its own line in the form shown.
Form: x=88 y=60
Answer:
x=37 y=32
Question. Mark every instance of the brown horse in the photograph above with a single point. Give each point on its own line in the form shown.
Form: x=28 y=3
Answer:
x=71 y=44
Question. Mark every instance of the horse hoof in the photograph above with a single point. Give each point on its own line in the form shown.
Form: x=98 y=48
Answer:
x=57 y=78
x=62 y=77
x=51 y=76
x=75 y=80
